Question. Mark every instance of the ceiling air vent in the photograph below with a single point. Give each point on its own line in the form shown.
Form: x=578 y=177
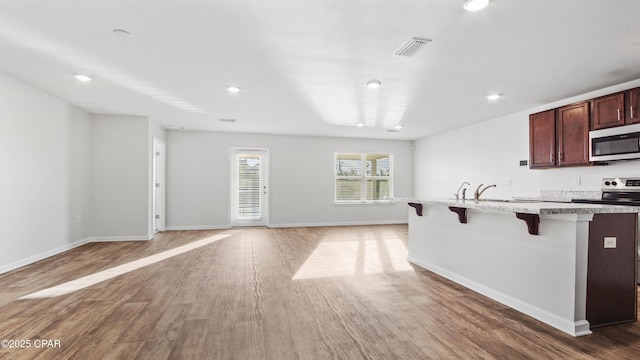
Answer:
x=412 y=47
x=228 y=120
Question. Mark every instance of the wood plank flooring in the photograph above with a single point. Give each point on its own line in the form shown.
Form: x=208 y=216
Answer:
x=294 y=293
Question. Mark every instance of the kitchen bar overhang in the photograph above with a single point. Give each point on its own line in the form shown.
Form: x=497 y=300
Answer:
x=542 y=275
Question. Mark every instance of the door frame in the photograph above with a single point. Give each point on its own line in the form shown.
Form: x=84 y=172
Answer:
x=158 y=173
x=234 y=151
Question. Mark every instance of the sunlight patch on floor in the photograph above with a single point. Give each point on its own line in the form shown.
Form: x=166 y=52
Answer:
x=357 y=257
x=104 y=275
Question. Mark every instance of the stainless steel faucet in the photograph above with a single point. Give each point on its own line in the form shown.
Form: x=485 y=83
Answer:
x=479 y=192
x=464 y=191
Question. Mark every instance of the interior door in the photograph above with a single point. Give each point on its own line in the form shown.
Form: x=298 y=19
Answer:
x=249 y=195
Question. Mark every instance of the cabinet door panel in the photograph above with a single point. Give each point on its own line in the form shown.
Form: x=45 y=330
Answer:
x=607 y=111
x=611 y=273
x=632 y=106
x=572 y=130
x=542 y=139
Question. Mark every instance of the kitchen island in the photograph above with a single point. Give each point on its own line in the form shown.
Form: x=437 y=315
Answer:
x=531 y=256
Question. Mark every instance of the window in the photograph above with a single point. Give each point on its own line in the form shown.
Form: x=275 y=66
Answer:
x=249 y=187
x=364 y=177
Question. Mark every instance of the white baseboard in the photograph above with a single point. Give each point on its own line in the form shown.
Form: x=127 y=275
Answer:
x=574 y=328
x=197 y=227
x=120 y=238
x=41 y=256
x=286 y=225
x=348 y=223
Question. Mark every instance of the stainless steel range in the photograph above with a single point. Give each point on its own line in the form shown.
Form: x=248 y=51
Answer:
x=618 y=191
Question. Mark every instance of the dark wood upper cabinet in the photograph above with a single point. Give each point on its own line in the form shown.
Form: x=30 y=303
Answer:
x=560 y=137
x=608 y=111
x=632 y=108
x=572 y=132
x=542 y=139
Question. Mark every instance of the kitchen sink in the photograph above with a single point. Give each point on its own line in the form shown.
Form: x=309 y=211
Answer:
x=513 y=200
x=505 y=200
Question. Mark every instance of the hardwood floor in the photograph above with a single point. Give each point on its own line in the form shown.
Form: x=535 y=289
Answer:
x=294 y=293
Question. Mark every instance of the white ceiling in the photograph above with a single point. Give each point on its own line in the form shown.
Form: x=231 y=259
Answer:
x=303 y=64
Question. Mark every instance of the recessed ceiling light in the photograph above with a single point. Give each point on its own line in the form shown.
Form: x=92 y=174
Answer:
x=123 y=33
x=360 y=124
x=374 y=84
x=82 y=78
x=494 y=96
x=233 y=89
x=475 y=5
x=398 y=127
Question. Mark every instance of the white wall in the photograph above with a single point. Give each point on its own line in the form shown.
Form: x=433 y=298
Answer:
x=44 y=181
x=486 y=153
x=120 y=178
x=301 y=179
x=79 y=179
x=489 y=153
x=69 y=177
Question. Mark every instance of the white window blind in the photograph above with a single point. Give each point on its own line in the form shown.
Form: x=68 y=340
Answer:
x=249 y=187
x=363 y=177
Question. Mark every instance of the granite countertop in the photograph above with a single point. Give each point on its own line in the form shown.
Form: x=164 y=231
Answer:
x=530 y=206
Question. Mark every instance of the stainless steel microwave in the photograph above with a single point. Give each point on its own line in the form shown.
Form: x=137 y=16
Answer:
x=616 y=143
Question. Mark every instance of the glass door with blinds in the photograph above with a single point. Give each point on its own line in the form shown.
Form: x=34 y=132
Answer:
x=249 y=201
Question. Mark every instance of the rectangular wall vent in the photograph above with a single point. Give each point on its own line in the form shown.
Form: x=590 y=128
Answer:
x=412 y=47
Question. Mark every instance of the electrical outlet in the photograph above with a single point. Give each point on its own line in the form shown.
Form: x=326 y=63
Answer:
x=508 y=181
x=576 y=180
x=609 y=242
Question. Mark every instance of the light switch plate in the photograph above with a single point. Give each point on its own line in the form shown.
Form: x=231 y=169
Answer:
x=609 y=242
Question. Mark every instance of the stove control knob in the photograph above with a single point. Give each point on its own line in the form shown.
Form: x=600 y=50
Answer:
x=607 y=183
x=614 y=183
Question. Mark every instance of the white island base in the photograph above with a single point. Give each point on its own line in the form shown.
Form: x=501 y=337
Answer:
x=543 y=276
